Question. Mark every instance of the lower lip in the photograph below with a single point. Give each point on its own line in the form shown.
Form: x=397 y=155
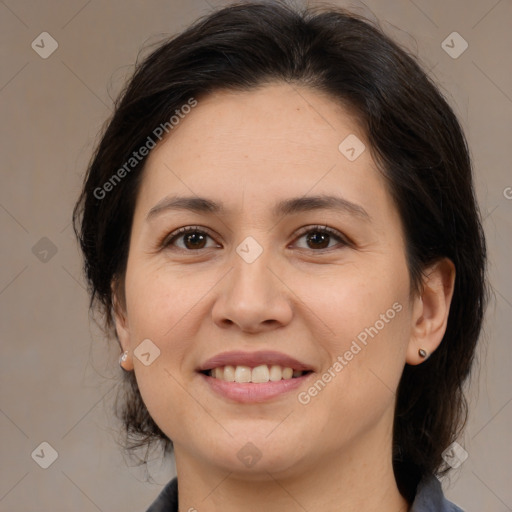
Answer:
x=253 y=392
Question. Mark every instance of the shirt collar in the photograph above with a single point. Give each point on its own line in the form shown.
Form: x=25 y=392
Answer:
x=429 y=498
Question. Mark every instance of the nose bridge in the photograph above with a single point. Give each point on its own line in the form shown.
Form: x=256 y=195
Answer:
x=252 y=296
x=251 y=276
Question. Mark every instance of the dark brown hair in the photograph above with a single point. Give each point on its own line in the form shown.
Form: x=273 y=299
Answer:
x=414 y=136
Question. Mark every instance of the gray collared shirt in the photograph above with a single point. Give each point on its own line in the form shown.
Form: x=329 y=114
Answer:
x=429 y=498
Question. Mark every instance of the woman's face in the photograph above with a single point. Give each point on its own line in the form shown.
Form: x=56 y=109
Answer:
x=255 y=278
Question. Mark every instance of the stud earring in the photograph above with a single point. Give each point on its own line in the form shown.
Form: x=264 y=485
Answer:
x=422 y=353
x=122 y=359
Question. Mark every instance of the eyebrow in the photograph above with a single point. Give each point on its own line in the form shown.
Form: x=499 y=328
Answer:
x=285 y=207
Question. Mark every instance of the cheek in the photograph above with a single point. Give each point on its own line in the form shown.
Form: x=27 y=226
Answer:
x=156 y=300
x=366 y=300
x=358 y=387
x=368 y=313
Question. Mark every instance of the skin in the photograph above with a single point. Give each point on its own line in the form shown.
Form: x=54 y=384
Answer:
x=249 y=150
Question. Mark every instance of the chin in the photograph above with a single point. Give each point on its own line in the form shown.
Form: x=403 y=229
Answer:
x=254 y=458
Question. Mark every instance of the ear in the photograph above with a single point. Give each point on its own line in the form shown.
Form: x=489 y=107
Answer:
x=430 y=310
x=121 y=322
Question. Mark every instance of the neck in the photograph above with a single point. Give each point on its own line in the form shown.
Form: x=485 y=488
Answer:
x=351 y=480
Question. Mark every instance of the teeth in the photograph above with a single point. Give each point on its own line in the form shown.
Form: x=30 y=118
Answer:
x=275 y=372
x=243 y=374
x=259 y=374
x=229 y=373
x=287 y=373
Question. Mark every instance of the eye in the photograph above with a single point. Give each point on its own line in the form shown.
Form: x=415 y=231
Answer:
x=194 y=238
x=191 y=235
x=321 y=236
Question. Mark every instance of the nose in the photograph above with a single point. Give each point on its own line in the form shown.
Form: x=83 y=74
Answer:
x=253 y=297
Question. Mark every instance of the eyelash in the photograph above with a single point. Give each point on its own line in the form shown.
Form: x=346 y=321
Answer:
x=169 y=239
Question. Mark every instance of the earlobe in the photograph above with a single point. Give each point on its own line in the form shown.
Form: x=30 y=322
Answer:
x=430 y=312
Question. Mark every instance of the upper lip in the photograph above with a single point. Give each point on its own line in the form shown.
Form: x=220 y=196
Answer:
x=253 y=359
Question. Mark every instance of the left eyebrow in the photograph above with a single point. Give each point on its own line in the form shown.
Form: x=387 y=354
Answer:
x=282 y=208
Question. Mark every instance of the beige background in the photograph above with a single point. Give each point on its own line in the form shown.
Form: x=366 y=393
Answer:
x=57 y=372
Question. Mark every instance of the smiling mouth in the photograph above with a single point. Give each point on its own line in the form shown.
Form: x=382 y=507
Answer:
x=258 y=374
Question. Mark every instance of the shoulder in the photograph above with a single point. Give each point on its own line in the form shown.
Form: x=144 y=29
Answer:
x=167 y=500
x=430 y=497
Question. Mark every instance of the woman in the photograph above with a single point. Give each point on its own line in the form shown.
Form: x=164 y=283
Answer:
x=280 y=227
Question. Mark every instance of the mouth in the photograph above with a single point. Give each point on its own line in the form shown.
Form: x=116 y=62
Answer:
x=254 y=377
x=258 y=374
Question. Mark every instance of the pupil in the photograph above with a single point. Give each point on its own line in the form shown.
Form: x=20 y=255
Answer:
x=318 y=237
x=192 y=235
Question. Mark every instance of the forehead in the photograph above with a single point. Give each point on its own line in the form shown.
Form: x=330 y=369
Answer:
x=277 y=140
x=272 y=117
